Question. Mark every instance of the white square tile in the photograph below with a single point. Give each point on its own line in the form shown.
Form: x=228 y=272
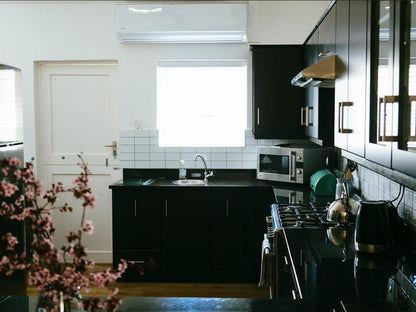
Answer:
x=154 y=141
x=251 y=142
x=126 y=156
x=234 y=164
x=218 y=156
x=202 y=150
x=157 y=164
x=156 y=149
x=249 y=164
x=126 y=164
x=142 y=148
x=153 y=133
x=126 y=141
x=142 y=164
x=265 y=142
x=126 y=133
x=173 y=149
x=234 y=157
x=141 y=156
x=187 y=150
x=249 y=149
x=157 y=156
x=173 y=156
x=234 y=150
x=249 y=133
x=250 y=157
x=141 y=141
x=218 y=164
x=172 y=164
x=188 y=157
x=218 y=150
x=126 y=148
x=189 y=164
x=141 y=133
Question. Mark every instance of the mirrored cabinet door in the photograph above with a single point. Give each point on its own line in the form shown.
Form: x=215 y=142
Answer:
x=404 y=150
x=383 y=104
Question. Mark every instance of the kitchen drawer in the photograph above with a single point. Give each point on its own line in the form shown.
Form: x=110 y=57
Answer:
x=146 y=266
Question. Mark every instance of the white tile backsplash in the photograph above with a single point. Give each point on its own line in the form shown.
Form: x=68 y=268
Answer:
x=378 y=187
x=140 y=149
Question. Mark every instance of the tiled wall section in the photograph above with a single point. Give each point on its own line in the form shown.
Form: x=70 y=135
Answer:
x=377 y=187
x=140 y=149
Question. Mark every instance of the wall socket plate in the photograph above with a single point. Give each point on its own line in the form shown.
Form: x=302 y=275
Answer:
x=138 y=124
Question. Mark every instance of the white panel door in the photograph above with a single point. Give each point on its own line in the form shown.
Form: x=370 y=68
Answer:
x=78 y=113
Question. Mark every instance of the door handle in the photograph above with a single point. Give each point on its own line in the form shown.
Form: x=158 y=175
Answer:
x=341 y=114
x=114 y=147
x=382 y=118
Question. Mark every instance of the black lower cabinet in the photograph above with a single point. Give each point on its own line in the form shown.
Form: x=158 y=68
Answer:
x=190 y=234
x=185 y=235
x=227 y=236
x=136 y=233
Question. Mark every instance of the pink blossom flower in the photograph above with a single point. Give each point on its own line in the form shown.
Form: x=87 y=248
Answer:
x=89 y=229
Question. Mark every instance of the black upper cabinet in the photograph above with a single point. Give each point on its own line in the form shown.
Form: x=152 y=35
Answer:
x=317 y=114
x=392 y=84
x=350 y=84
x=276 y=103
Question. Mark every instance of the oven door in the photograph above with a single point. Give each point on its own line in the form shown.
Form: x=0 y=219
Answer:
x=277 y=165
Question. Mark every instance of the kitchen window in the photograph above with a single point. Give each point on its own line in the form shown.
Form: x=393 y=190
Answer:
x=202 y=103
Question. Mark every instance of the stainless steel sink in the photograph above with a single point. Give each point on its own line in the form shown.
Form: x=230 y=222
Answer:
x=189 y=182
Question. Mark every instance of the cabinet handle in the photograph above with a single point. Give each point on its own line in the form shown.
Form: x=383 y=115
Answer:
x=166 y=208
x=412 y=100
x=304 y=116
x=137 y=261
x=382 y=118
x=341 y=106
x=227 y=210
x=258 y=116
x=135 y=208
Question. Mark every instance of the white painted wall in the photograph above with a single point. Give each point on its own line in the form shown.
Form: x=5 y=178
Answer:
x=32 y=31
x=73 y=30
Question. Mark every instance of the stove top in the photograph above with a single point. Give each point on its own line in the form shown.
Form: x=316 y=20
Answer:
x=310 y=215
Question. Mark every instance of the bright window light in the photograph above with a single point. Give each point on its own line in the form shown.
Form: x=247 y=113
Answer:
x=202 y=103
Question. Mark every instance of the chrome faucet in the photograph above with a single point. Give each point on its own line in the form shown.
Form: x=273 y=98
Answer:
x=207 y=173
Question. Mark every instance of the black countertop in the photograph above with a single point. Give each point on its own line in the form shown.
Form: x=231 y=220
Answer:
x=138 y=178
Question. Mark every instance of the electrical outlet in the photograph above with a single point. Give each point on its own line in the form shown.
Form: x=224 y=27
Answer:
x=138 y=124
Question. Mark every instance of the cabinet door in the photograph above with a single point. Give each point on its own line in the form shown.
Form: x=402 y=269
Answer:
x=258 y=203
x=309 y=112
x=276 y=103
x=350 y=86
x=341 y=82
x=381 y=82
x=185 y=234
x=136 y=219
x=404 y=151
x=227 y=235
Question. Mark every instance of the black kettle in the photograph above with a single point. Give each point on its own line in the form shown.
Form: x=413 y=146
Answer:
x=374 y=227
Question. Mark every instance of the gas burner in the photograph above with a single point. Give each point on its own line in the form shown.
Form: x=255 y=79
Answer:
x=301 y=216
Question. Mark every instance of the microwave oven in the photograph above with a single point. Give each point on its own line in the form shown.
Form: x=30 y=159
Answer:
x=290 y=163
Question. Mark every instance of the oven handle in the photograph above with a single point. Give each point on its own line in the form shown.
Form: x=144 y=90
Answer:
x=292 y=166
